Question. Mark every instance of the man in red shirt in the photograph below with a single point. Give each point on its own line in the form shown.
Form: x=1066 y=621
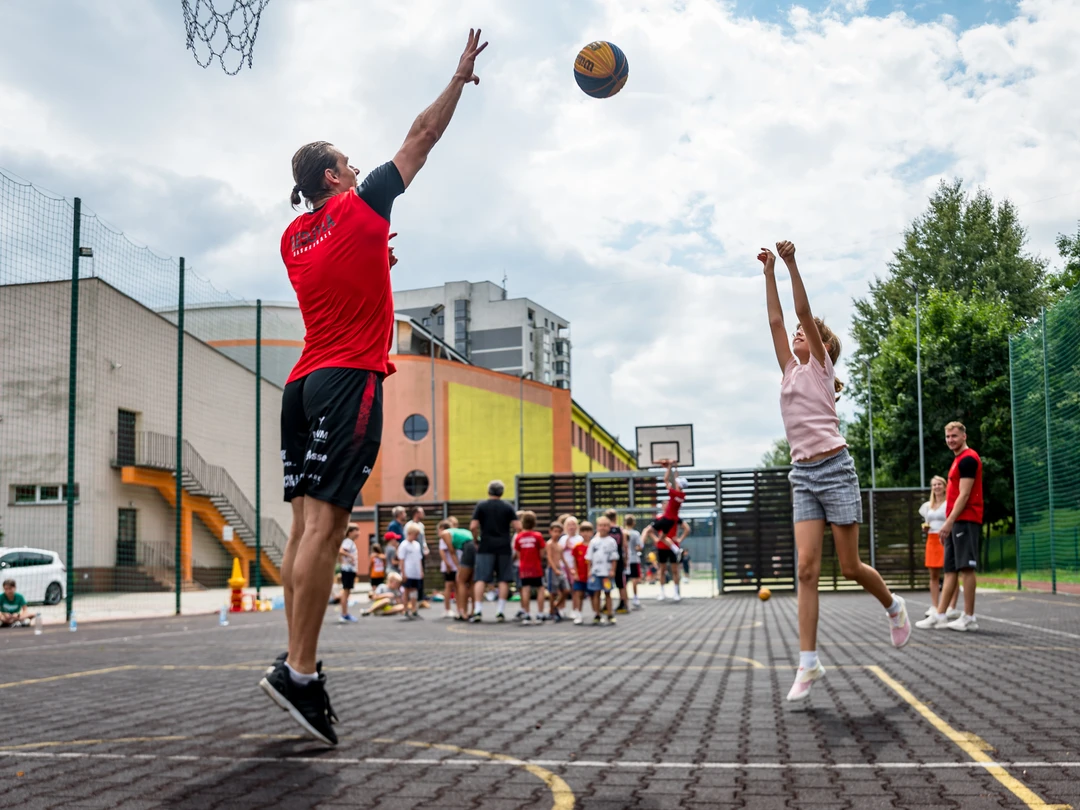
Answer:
x=662 y=530
x=960 y=531
x=338 y=262
x=528 y=544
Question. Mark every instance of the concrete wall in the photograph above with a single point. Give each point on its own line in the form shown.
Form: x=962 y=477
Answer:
x=127 y=360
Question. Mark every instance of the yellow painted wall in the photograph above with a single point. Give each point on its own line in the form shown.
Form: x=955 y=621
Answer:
x=580 y=461
x=484 y=440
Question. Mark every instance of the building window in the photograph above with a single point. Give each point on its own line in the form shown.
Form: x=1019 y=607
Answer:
x=416 y=483
x=40 y=493
x=425 y=322
x=125 y=438
x=416 y=427
x=441 y=320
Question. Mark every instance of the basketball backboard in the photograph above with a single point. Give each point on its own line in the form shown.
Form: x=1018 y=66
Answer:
x=657 y=443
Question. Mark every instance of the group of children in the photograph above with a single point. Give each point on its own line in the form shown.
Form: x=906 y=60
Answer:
x=555 y=575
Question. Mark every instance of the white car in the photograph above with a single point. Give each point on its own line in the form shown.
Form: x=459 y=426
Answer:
x=39 y=575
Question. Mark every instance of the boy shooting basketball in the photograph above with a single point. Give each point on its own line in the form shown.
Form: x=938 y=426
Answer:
x=338 y=261
x=662 y=530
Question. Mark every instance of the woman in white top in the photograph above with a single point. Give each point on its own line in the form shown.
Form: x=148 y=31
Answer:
x=934 y=514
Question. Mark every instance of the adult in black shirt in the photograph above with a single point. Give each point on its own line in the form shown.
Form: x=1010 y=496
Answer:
x=494 y=523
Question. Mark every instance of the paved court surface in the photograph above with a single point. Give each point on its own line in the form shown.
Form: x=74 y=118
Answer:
x=679 y=706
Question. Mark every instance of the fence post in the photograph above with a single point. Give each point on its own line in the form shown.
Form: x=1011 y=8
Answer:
x=179 y=436
x=1016 y=480
x=873 y=538
x=258 y=448
x=73 y=366
x=1049 y=452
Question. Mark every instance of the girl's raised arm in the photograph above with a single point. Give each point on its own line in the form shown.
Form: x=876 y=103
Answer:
x=776 y=314
x=802 y=303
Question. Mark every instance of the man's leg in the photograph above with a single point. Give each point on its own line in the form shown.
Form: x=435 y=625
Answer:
x=968 y=575
x=310 y=570
x=296 y=531
x=478 y=595
x=948 y=592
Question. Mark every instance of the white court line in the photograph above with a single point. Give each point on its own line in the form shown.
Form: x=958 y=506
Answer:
x=457 y=762
x=138 y=637
x=980 y=615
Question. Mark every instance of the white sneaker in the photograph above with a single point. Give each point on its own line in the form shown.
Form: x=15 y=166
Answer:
x=804 y=679
x=965 y=624
x=932 y=623
x=660 y=598
x=900 y=625
x=526 y=620
x=678 y=598
x=954 y=614
x=930 y=611
x=577 y=619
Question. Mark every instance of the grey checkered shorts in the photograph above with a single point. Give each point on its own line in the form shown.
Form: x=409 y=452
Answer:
x=826 y=490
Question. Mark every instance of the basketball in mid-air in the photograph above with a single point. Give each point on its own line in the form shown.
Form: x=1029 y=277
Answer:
x=601 y=69
x=763 y=594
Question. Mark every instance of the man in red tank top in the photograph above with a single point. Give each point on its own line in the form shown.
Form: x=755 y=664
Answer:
x=961 y=531
x=338 y=261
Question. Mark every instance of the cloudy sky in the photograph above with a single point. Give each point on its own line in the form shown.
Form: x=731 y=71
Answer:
x=638 y=218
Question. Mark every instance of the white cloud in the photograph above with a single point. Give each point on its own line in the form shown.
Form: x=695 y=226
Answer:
x=637 y=217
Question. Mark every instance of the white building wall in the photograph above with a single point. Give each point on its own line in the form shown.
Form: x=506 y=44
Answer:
x=127 y=360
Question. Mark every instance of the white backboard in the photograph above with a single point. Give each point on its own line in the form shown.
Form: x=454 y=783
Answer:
x=674 y=443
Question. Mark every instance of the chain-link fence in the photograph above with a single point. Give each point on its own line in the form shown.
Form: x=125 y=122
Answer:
x=135 y=462
x=1044 y=366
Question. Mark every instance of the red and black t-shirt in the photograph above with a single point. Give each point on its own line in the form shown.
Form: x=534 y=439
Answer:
x=339 y=265
x=966 y=465
x=674 y=502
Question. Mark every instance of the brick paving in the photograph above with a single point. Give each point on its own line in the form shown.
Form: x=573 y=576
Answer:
x=679 y=706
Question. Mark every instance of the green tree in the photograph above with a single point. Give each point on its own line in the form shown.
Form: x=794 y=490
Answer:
x=779 y=455
x=1069 y=248
x=977 y=285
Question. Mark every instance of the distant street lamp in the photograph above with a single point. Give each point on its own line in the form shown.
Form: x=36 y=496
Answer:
x=435 y=310
x=918 y=383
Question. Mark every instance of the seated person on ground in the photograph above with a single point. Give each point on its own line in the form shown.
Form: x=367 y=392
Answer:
x=13 y=611
x=387 y=599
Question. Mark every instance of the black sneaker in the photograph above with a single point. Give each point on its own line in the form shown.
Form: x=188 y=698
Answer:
x=308 y=705
x=476 y=618
x=499 y=618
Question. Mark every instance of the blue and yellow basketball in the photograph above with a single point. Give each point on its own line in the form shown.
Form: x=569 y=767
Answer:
x=601 y=69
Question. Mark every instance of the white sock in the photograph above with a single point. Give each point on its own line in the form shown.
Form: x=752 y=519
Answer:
x=894 y=608
x=502 y=606
x=808 y=660
x=299 y=677
x=676 y=587
x=939 y=616
x=661 y=589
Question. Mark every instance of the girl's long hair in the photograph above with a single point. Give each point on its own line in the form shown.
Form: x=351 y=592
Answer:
x=832 y=344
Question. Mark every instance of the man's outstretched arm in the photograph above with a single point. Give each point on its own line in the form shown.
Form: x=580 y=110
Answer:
x=430 y=125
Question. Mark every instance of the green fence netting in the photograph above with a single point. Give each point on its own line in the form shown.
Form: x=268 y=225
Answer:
x=1044 y=364
x=109 y=420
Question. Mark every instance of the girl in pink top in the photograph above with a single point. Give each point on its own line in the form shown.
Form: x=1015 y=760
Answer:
x=824 y=486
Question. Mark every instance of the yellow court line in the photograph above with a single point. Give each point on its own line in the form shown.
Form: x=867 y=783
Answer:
x=57 y=743
x=561 y=793
x=69 y=675
x=974 y=748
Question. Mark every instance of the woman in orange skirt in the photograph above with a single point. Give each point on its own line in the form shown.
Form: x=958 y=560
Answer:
x=933 y=514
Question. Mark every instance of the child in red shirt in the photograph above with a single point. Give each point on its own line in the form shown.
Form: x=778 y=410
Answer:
x=528 y=544
x=579 y=549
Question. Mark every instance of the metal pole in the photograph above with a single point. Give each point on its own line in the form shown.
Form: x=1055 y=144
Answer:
x=73 y=366
x=434 y=446
x=179 y=434
x=1016 y=481
x=873 y=467
x=258 y=448
x=918 y=383
x=521 y=424
x=1049 y=453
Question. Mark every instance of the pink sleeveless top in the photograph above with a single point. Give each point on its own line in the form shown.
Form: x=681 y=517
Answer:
x=808 y=408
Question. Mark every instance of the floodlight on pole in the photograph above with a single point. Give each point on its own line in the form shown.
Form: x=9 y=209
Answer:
x=918 y=382
x=435 y=310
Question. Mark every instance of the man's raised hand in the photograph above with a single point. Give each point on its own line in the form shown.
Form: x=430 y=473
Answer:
x=466 y=65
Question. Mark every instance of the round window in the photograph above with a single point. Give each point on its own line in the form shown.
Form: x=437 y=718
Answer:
x=416 y=483
x=416 y=427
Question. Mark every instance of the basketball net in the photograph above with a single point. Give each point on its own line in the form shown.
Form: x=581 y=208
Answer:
x=213 y=34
